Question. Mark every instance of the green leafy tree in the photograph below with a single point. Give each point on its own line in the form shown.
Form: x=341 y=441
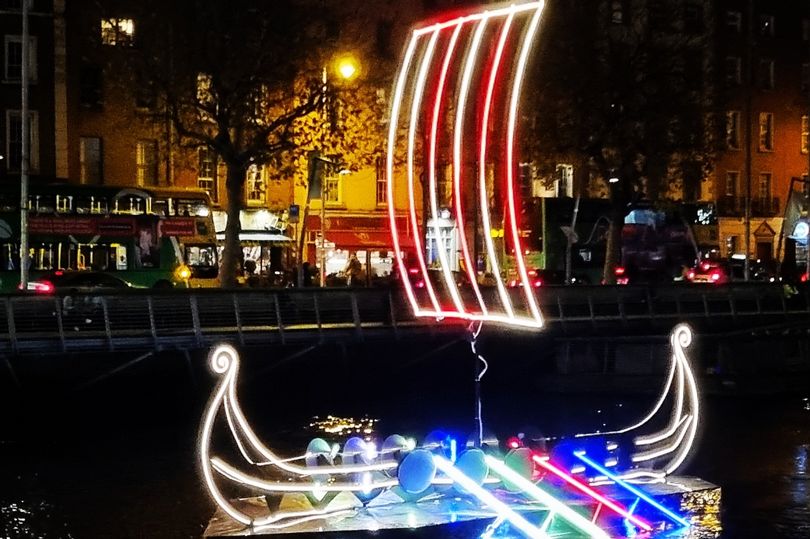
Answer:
x=626 y=94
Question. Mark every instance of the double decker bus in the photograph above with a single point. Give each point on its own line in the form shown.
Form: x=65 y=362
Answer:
x=103 y=228
x=186 y=216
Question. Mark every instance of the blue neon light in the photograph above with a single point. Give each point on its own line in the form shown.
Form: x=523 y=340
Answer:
x=641 y=494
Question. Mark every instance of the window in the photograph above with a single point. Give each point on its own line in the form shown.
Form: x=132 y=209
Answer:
x=146 y=163
x=765 y=185
x=565 y=180
x=14 y=141
x=766 y=74
x=332 y=189
x=255 y=184
x=90 y=84
x=805 y=133
x=766 y=24
x=732 y=183
x=90 y=160
x=382 y=183
x=733 y=130
x=617 y=12
x=766 y=131
x=207 y=172
x=734 y=21
x=733 y=70
x=118 y=32
x=14 y=58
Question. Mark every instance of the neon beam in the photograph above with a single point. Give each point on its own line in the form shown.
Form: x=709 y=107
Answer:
x=416 y=101
x=503 y=510
x=434 y=204
x=514 y=8
x=510 y=161
x=555 y=505
x=582 y=487
x=630 y=488
x=464 y=88
x=482 y=168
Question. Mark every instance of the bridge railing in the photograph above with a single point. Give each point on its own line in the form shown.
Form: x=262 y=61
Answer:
x=147 y=319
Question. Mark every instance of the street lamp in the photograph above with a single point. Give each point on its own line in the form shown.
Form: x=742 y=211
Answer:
x=347 y=68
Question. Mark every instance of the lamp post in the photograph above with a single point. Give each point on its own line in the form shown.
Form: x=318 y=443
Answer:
x=347 y=68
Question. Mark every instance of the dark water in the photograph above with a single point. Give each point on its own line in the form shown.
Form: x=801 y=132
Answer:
x=118 y=460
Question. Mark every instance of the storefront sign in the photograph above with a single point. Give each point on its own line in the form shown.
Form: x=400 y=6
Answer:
x=177 y=227
x=82 y=226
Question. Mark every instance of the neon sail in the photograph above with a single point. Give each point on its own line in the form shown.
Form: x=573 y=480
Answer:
x=458 y=93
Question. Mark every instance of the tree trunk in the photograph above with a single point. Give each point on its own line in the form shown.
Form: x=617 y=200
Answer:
x=232 y=254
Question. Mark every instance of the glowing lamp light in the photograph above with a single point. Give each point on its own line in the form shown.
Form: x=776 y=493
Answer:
x=613 y=179
x=347 y=67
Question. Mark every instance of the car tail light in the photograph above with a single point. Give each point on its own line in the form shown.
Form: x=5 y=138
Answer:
x=715 y=276
x=803 y=278
x=538 y=282
x=413 y=271
x=619 y=270
x=705 y=266
x=40 y=287
x=691 y=275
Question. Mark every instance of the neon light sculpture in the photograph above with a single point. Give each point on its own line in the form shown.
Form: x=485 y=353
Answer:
x=434 y=62
x=665 y=450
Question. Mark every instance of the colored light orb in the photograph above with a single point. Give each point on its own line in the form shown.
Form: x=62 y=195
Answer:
x=348 y=67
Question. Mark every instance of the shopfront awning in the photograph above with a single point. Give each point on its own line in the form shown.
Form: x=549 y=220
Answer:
x=372 y=239
x=258 y=236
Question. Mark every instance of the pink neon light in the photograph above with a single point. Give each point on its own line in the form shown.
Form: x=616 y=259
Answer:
x=389 y=169
x=582 y=487
x=434 y=206
x=510 y=162
x=482 y=167
x=416 y=102
x=478 y=16
x=459 y=130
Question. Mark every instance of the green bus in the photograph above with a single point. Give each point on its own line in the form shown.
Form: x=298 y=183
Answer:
x=100 y=228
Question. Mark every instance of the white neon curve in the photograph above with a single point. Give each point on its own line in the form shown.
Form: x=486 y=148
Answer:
x=416 y=102
x=458 y=133
x=396 y=102
x=535 y=492
x=482 y=169
x=449 y=281
x=503 y=510
x=510 y=161
x=678 y=435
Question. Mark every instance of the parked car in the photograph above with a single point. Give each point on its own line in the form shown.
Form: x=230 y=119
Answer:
x=539 y=277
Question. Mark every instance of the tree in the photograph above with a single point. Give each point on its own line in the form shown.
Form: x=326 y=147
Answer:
x=234 y=77
x=626 y=93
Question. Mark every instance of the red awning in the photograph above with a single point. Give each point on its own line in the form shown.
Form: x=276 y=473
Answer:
x=374 y=239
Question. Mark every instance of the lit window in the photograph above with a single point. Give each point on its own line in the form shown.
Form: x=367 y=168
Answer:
x=733 y=70
x=90 y=160
x=732 y=183
x=765 y=131
x=146 y=163
x=207 y=172
x=734 y=21
x=805 y=133
x=766 y=74
x=14 y=141
x=120 y=32
x=14 y=58
x=382 y=184
x=765 y=185
x=255 y=184
x=617 y=15
x=733 y=130
x=565 y=180
x=332 y=189
x=204 y=84
x=766 y=25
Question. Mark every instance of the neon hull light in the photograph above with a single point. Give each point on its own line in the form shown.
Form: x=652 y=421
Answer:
x=486 y=75
x=664 y=451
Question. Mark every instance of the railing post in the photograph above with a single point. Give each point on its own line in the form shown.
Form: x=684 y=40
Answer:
x=238 y=317
x=57 y=302
x=278 y=319
x=195 y=319
x=152 y=326
x=107 y=325
x=12 y=329
x=316 y=304
x=356 y=315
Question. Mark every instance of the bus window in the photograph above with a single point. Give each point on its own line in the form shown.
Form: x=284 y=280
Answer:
x=41 y=203
x=64 y=204
x=10 y=256
x=120 y=257
x=202 y=260
x=43 y=256
x=91 y=205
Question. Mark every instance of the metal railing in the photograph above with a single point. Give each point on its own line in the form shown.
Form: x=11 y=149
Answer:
x=148 y=320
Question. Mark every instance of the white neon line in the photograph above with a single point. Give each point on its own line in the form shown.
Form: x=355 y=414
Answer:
x=434 y=204
x=503 y=319
x=222 y=362
x=681 y=339
x=486 y=497
x=555 y=505
x=461 y=102
x=656 y=453
x=389 y=168
x=236 y=437
x=416 y=107
x=305 y=516
x=482 y=169
x=478 y=16
x=664 y=434
x=510 y=160
x=289 y=486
